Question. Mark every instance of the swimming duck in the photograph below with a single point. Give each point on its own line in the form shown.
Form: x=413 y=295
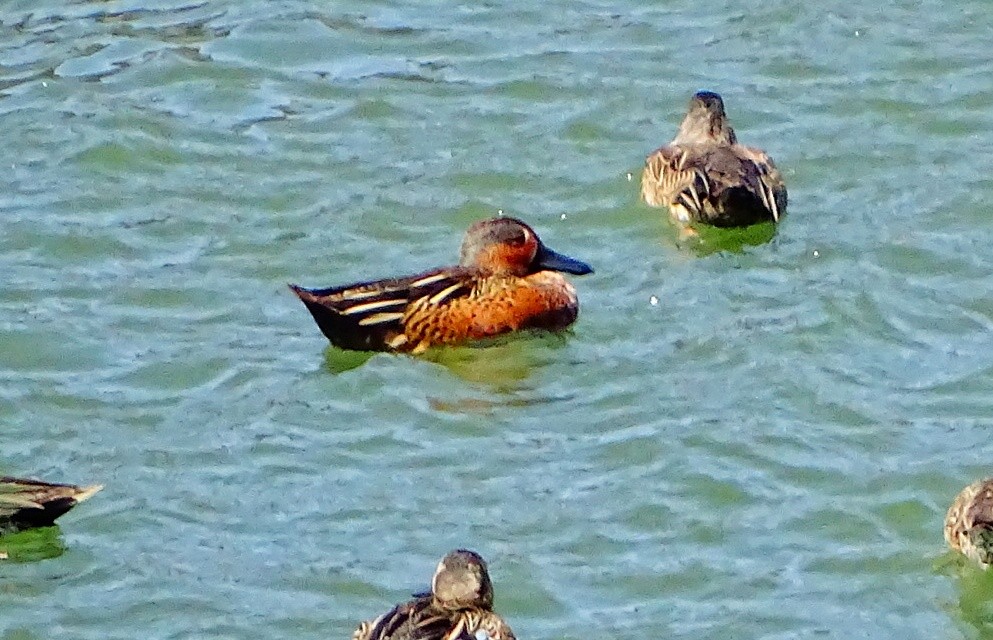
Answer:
x=506 y=280
x=969 y=522
x=705 y=176
x=31 y=503
x=458 y=607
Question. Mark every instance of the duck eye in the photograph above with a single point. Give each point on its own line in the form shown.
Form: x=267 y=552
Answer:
x=519 y=239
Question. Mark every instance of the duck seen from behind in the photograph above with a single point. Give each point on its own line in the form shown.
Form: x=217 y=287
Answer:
x=25 y=504
x=969 y=522
x=458 y=607
x=506 y=280
x=705 y=176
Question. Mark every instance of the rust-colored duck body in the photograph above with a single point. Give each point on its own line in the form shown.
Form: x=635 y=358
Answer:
x=705 y=176
x=506 y=280
x=25 y=504
x=969 y=522
x=458 y=607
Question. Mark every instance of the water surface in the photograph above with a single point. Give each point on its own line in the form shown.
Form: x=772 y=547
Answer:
x=765 y=452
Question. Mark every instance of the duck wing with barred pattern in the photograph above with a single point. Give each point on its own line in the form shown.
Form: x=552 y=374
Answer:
x=419 y=619
x=444 y=306
x=470 y=623
x=383 y=314
x=414 y=619
x=724 y=186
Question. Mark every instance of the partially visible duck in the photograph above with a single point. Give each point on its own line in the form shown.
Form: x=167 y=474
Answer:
x=32 y=503
x=506 y=280
x=705 y=176
x=969 y=522
x=458 y=607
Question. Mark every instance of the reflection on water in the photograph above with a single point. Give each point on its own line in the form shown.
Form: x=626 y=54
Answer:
x=341 y=360
x=704 y=240
x=975 y=597
x=32 y=545
x=501 y=364
x=713 y=239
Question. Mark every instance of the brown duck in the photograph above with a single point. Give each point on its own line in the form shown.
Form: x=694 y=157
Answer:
x=31 y=503
x=705 y=176
x=506 y=280
x=969 y=523
x=458 y=607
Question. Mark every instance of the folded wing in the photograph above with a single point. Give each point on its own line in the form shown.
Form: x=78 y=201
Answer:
x=33 y=503
x=717 y=185
x=371 y=316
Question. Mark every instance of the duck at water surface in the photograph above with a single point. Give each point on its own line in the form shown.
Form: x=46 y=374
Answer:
x=458 y=607
x=969 y=522
x=506 y=280
x=705 y=176
x=25 y=504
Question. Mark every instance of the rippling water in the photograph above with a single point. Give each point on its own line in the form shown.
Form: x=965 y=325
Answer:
x=765 y=453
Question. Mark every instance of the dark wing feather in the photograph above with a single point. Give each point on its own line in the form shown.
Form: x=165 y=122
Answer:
x=370 y=316
x=33 y=503
x=14 y=498
x=737 y=195
x=417 y=619
x=770 y=181
x=979 y=521
x=421 y=619
x=980 y=510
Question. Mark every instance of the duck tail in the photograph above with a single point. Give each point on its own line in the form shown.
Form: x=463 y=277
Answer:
x=329 y=321
x=368 y=325
x=85 y=493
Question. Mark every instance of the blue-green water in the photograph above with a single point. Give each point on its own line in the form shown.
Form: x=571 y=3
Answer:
x=767 y=452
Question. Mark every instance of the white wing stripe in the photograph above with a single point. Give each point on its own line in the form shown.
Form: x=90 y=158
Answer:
x=379 y=318
x=372 y=306
x=427 y=280
x=444 y=293
x=359 y=295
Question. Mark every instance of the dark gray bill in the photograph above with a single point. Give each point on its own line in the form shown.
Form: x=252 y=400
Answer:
x=548 y=259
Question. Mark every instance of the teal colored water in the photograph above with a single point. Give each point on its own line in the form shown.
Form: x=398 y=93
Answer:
x=767 y=452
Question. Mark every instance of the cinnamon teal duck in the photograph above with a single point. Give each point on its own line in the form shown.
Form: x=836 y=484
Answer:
x=31 y=503
x=705 y=176
x=458 y=607
x=969 y=522
x=506 y=280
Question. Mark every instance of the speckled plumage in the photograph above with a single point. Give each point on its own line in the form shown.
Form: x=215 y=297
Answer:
x=419 y=620
x=507 y=280
x=704 y=175
x=459 y=607
x=32 y=503
x=969 y=522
